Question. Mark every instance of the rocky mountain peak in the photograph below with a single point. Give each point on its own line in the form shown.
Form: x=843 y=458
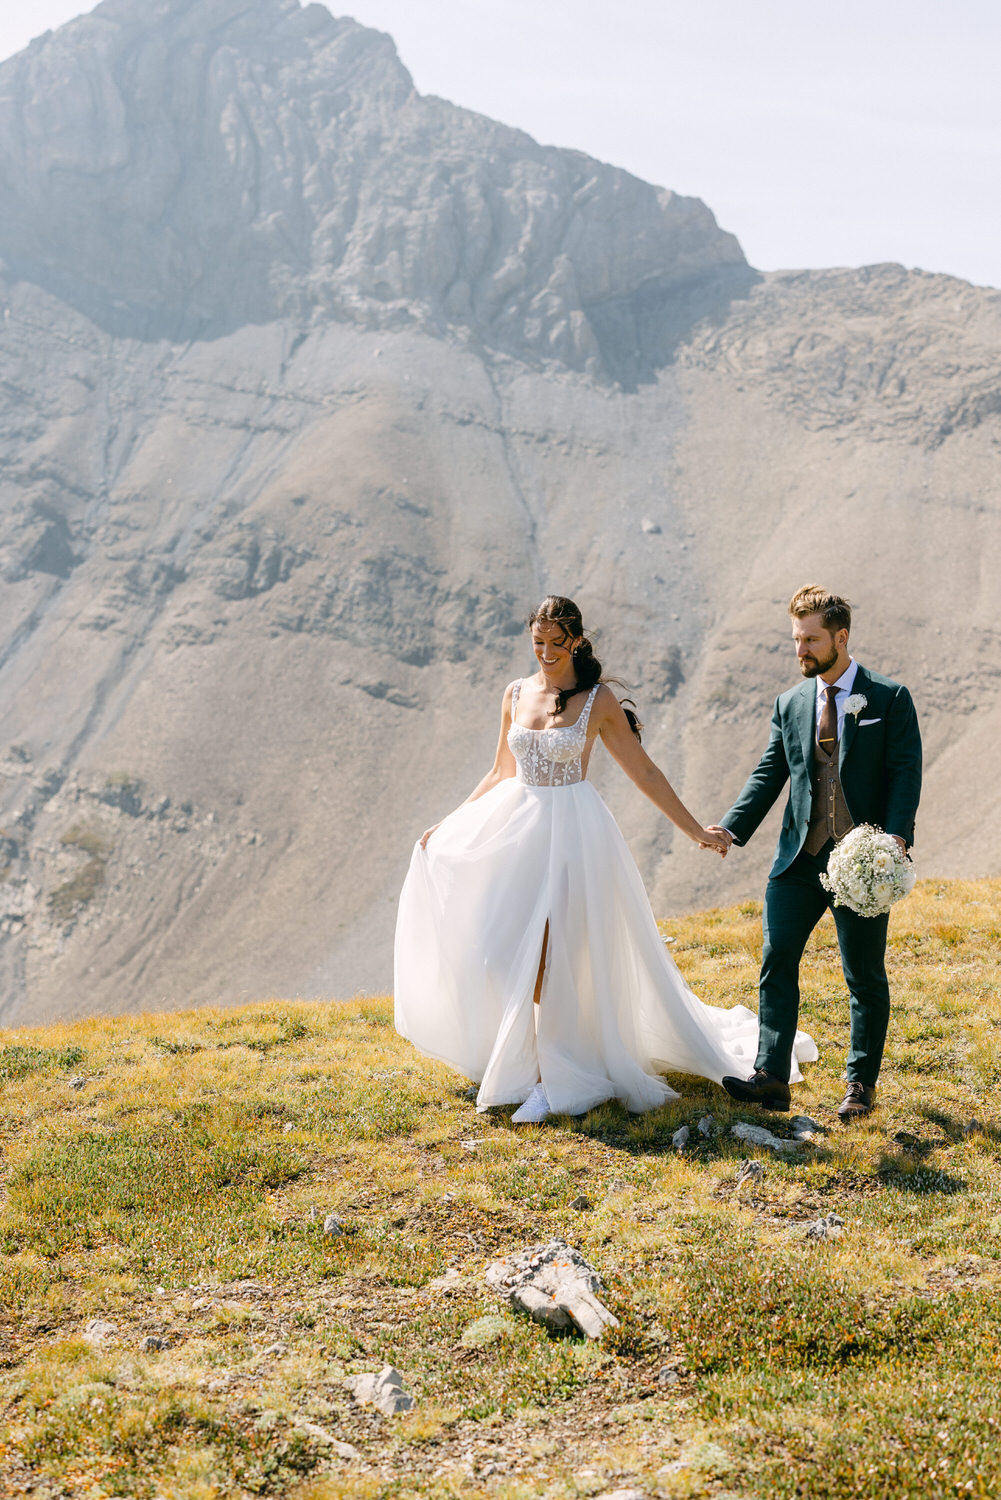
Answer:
x=180 y=168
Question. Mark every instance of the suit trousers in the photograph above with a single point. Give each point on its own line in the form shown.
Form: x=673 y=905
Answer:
x=795 y=901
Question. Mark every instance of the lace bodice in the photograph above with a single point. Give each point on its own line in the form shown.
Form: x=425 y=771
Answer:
x=549 y=757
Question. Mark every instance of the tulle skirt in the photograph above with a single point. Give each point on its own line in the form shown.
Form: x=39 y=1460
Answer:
x=614 y=1012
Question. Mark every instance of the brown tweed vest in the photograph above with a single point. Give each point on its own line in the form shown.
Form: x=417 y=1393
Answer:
x=829 y=815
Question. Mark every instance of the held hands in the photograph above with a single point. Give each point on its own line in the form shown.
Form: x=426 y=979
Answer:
x=724 y=838
x=718 y=839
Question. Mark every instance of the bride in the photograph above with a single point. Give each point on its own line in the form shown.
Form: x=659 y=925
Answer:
x=527 y=956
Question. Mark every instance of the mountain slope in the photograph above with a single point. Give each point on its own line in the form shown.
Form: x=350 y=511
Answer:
x=276 y=500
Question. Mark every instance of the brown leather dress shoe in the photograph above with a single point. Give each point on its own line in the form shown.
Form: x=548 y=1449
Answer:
x=859 y=1099
x=761 y=1088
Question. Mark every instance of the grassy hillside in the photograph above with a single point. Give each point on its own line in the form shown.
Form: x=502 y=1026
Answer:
x=159 y=1172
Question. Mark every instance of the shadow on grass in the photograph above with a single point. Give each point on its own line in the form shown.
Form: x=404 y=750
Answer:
x=910 y=1176
x=652 y=1134
x=960 y=1130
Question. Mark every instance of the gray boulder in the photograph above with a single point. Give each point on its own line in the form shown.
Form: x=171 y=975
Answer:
x=555 y=1285
x=384 y=1391
x=760 y=1135
x=830 y=1227
x=99 y=1332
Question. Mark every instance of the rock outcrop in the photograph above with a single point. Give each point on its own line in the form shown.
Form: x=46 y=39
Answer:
x=310 y=388
x=180 y=168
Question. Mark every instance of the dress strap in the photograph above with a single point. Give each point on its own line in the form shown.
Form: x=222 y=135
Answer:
x=587 y=707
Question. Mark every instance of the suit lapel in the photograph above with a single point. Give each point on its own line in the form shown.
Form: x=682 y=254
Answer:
x=850 y=729
x=806 y=710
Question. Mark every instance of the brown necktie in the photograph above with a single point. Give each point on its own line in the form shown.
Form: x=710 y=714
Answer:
x=827 y=734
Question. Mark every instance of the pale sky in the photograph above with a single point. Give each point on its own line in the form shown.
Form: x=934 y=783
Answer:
x=821 y=135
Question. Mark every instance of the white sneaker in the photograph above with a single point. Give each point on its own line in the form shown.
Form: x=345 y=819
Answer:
x=534 y=1110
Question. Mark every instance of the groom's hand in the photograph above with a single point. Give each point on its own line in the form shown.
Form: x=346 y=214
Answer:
x=900 y=843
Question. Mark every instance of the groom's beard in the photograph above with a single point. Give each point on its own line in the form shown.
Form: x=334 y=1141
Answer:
x=812 y=666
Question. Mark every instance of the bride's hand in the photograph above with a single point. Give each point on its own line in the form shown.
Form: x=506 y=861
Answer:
x=716 y=840
x=427 y=835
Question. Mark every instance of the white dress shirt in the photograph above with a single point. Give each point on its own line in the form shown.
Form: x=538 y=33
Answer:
x=844 y=684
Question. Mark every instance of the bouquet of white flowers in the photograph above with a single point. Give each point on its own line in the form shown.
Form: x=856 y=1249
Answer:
x=867 y=872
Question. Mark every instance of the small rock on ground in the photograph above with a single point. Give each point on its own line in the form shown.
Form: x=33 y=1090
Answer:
x=749 y=1171
x=383 y=1391
x=451 y=1280
x=581 y=1203
x=758 y=1135
x=153 y=1343
x=679 y=1139
x=332 y=1226
x=830 y=1227
x=707 y=1126
x=342 y=1449
x=99 y=1332
x=555 y=1285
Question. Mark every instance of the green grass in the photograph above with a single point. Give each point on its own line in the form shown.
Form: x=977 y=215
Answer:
x=16 y=1061
x=180 y=1194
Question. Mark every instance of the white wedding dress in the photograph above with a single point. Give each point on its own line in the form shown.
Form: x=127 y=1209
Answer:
x=614 y=1012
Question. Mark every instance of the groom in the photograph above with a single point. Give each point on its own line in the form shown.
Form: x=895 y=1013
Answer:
x=848 y=741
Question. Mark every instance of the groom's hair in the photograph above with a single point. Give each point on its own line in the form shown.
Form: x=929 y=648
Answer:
x=835 y=612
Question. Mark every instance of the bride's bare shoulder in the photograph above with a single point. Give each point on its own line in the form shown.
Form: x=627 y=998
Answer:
x=606 y=709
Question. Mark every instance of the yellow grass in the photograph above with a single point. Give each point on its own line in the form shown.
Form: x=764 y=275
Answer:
x=171 y=1196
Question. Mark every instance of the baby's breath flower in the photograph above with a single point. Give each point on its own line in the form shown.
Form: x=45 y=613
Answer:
x=867 y=872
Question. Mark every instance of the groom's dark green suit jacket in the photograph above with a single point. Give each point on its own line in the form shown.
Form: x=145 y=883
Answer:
x=879 y=764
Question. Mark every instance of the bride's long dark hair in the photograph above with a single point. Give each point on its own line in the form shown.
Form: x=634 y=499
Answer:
x=557 y=610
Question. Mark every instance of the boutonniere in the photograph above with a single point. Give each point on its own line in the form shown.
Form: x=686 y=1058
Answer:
x=856 y=703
